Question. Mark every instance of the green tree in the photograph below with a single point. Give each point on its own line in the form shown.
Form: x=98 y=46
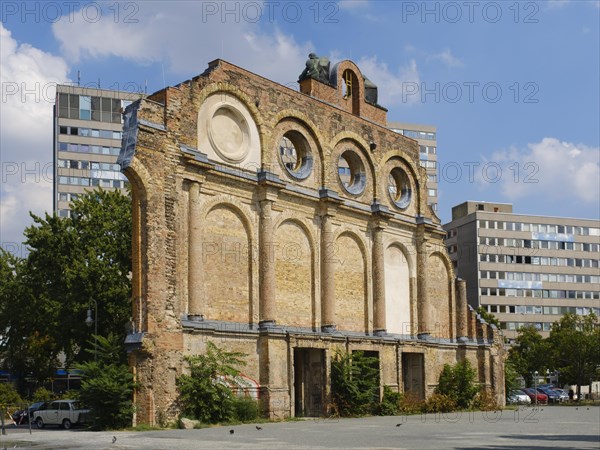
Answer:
x=458 y=383
x=530 y=353
x=575 y=344
x=488 y=317
x=204 y=394
x=355 y=383
x=107 y=384
x=9 y=396
x=27 y=343
x=44 y=297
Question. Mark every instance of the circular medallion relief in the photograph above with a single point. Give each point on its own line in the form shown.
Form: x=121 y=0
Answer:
x=228 y=133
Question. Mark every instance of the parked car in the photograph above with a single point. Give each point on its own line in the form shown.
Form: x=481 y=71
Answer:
x=20 y=416
x=563 y=396
x=65 y=413
x=535 y=396
x=553 y=396
x=517 y=397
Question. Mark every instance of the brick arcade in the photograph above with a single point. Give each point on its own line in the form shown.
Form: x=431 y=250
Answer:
x=288 y=225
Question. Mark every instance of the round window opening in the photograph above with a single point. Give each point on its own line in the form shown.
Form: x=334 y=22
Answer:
x=399 y=188
x=294 y=153
x=351 y=172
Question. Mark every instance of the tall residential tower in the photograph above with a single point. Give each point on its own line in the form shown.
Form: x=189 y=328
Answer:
x=87 y=140
x=525 y=269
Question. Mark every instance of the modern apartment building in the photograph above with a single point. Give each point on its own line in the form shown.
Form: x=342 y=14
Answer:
x=525 y=269
x=87 y=140
x=426 y=136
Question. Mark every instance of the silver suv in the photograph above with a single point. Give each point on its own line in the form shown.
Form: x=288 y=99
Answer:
x=65 y=413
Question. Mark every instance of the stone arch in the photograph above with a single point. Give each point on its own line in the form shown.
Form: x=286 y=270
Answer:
x=362 y=145
x=236 y=92
x=294 y=258
x=309 y=128
x=249 y=103
x=398 y=306
x=440 y=295
x=139 y=178
x=337 y=79
x=350 y=280
x=228 y=256
x=393 y=159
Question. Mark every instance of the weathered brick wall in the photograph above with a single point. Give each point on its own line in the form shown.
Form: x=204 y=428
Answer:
x=350 y=295
x=215 y=241
x=439 y=294
x=294 y=276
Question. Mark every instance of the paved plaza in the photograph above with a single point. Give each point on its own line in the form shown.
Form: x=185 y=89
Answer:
x=544 y=428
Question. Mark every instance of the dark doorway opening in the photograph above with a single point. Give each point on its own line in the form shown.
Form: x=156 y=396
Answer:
x=413 y=374
x=309 y=382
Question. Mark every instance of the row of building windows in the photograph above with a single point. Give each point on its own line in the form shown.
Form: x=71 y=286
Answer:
x=85 y=148
x=428 y=164
x=85 y=107
x=514 y=326
x=87 y=165
x=538 y=227
x=545 y=310
x=540 y=293
x=67 y=196
x=432 y=177
x=538 y=260
x=416 y=134
x=100 y=182
x=90 y=132
x=551 y=277
x=432 y=192
x=427 y=149
x=533 y=243
x=529 y=276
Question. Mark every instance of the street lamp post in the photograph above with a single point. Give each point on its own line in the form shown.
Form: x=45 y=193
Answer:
x=89 y=321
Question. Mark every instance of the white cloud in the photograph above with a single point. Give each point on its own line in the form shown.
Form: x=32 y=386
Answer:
x=447 y=58
x=28 y=77
x=550 y=170
x=556 y=4
x=353 y=4
x=188 y=36
x=394 y=86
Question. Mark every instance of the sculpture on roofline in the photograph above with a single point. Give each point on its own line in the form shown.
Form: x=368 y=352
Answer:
x=317 y=68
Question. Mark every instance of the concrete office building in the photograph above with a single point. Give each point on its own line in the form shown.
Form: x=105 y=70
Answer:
x=426 y=136
x=525 y=269
x=87 y=139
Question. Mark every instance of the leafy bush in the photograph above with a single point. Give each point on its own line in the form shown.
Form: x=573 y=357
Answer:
x=204 y=394
x=458 y=383
x=390 y=403
x=439 y=403
x=9 y=395
x=246 y=409
x=354 y=383
x=485 y=400
x=107 y=386
x=42 y=395
x=410 y=403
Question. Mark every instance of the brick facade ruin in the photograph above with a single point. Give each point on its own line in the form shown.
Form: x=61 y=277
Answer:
x=287 y=225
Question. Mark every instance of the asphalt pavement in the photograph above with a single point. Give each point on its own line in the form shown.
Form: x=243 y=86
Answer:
x=547 y=427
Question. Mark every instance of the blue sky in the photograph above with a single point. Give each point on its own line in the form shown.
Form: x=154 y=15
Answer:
x=510 y=85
